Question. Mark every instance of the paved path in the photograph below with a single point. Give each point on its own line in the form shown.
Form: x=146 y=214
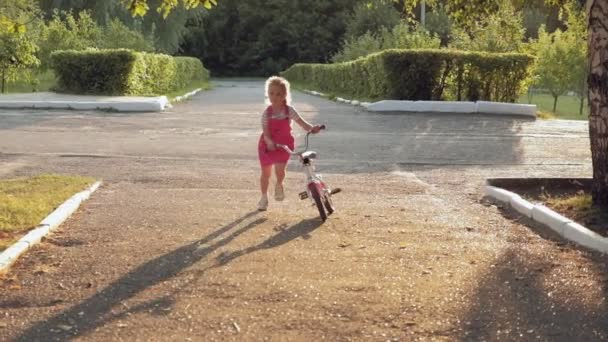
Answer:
x=171 y=249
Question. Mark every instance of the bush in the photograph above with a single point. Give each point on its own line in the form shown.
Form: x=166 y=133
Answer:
x=401 y=36
x=69 y=32
x=372 y=17
x=420 y=75
x=124 y=72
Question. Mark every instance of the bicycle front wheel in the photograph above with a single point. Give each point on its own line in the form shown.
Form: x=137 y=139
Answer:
x=316 y=196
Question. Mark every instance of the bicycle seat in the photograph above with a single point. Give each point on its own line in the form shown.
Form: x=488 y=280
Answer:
x=309 y=155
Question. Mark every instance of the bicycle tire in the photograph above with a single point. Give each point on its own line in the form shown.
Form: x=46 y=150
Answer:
x=316 y=196
x=329 y=205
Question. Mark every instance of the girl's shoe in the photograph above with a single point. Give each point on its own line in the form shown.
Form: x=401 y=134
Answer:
x=279 y=194
x=263 y=204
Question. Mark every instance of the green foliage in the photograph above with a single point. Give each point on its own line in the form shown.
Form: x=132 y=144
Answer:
x=438 y=22
x=420 y=75
x=124 y=72
x=402 y=36
x=358 y=47
x=140 y=7
x=117 y=35
x=16 y=15
x=263 y=37
x=163 y=32
x=69 y=32
x=17 y=53
x=561 y=61
x=502 y=31
x=372 y=17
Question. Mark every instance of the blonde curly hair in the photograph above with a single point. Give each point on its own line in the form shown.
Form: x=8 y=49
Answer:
x=281 y=82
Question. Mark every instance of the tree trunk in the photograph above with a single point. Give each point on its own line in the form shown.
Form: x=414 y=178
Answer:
x=555 y=103
x=598 y=98
x=581 y=106
x=3 y=80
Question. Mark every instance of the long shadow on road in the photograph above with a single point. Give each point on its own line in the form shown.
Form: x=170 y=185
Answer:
x=526 y=297
x=301 y=229
x=374 y=141
x=97 y=310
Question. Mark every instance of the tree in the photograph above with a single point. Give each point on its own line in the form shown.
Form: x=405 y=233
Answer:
x=402 y=36
x=266 y=36
x=558 y=62
x=372 y=17
x=597 y=12
x=597 y=18
x=17 y=52
x=141 y=7
x=501 y=31
x=16 y=15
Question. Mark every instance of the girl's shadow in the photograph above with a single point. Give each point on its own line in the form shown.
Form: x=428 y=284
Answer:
x=301 y=229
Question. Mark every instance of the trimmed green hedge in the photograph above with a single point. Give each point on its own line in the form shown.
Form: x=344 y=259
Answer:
x=124 y=72
x=426 y=74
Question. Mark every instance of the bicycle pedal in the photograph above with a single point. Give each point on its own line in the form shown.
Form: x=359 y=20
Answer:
x=335 y=191
x=303 y=195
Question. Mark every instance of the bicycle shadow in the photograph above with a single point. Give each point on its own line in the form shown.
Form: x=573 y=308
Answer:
x=301 y=229
x=100 y=308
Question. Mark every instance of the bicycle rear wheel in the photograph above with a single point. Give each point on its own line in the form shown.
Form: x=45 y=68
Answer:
x=316 y=196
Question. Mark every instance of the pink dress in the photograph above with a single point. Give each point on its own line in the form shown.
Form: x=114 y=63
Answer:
x=280 y=133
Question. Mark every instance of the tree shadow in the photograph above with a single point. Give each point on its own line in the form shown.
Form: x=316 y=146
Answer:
x=517 y=300
x=101 y=307
x=285 y=235
x=374 y=142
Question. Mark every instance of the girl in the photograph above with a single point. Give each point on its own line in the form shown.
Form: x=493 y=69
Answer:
x=276 y=129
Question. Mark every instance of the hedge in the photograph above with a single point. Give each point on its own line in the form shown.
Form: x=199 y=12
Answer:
x=124 y=72
x=426 y=74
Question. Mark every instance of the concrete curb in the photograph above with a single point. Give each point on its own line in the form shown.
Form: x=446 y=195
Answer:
x=481 y=107
x=154 y=104
x=50 y=223
x=563 y=226
x=187 y=95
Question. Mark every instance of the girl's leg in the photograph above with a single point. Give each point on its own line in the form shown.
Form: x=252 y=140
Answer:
x=264 y=180
x=279 y=170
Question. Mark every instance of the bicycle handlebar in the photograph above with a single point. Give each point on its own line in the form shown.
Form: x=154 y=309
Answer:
x=293 y=153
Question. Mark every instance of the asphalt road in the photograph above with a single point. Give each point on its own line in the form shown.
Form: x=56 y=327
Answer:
x=171 y=247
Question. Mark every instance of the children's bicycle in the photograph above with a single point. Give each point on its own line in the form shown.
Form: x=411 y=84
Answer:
x=316 y=188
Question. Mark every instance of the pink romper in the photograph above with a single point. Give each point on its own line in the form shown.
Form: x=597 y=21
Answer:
x=280 y=133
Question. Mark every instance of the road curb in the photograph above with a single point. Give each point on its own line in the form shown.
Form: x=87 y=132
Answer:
x=187 y=95
x=154 y=104
x=50 y=223
x=449 y=107
x=563 y=226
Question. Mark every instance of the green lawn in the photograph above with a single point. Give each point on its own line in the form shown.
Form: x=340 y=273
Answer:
x=24 y=202
x=46 y=81
x=567 y=106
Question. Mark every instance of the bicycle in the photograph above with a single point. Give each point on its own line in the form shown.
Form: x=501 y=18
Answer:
x=316 y=188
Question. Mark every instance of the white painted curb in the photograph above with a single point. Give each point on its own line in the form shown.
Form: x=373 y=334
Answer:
x=483 y=107
x=185 y=96
x=156 y=104
x=561 y=225
x=50 y=223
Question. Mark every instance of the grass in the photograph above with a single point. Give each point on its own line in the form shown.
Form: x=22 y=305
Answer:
x=579 y=207
x=46 y=82
x=567 y=106
x=24 y=202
